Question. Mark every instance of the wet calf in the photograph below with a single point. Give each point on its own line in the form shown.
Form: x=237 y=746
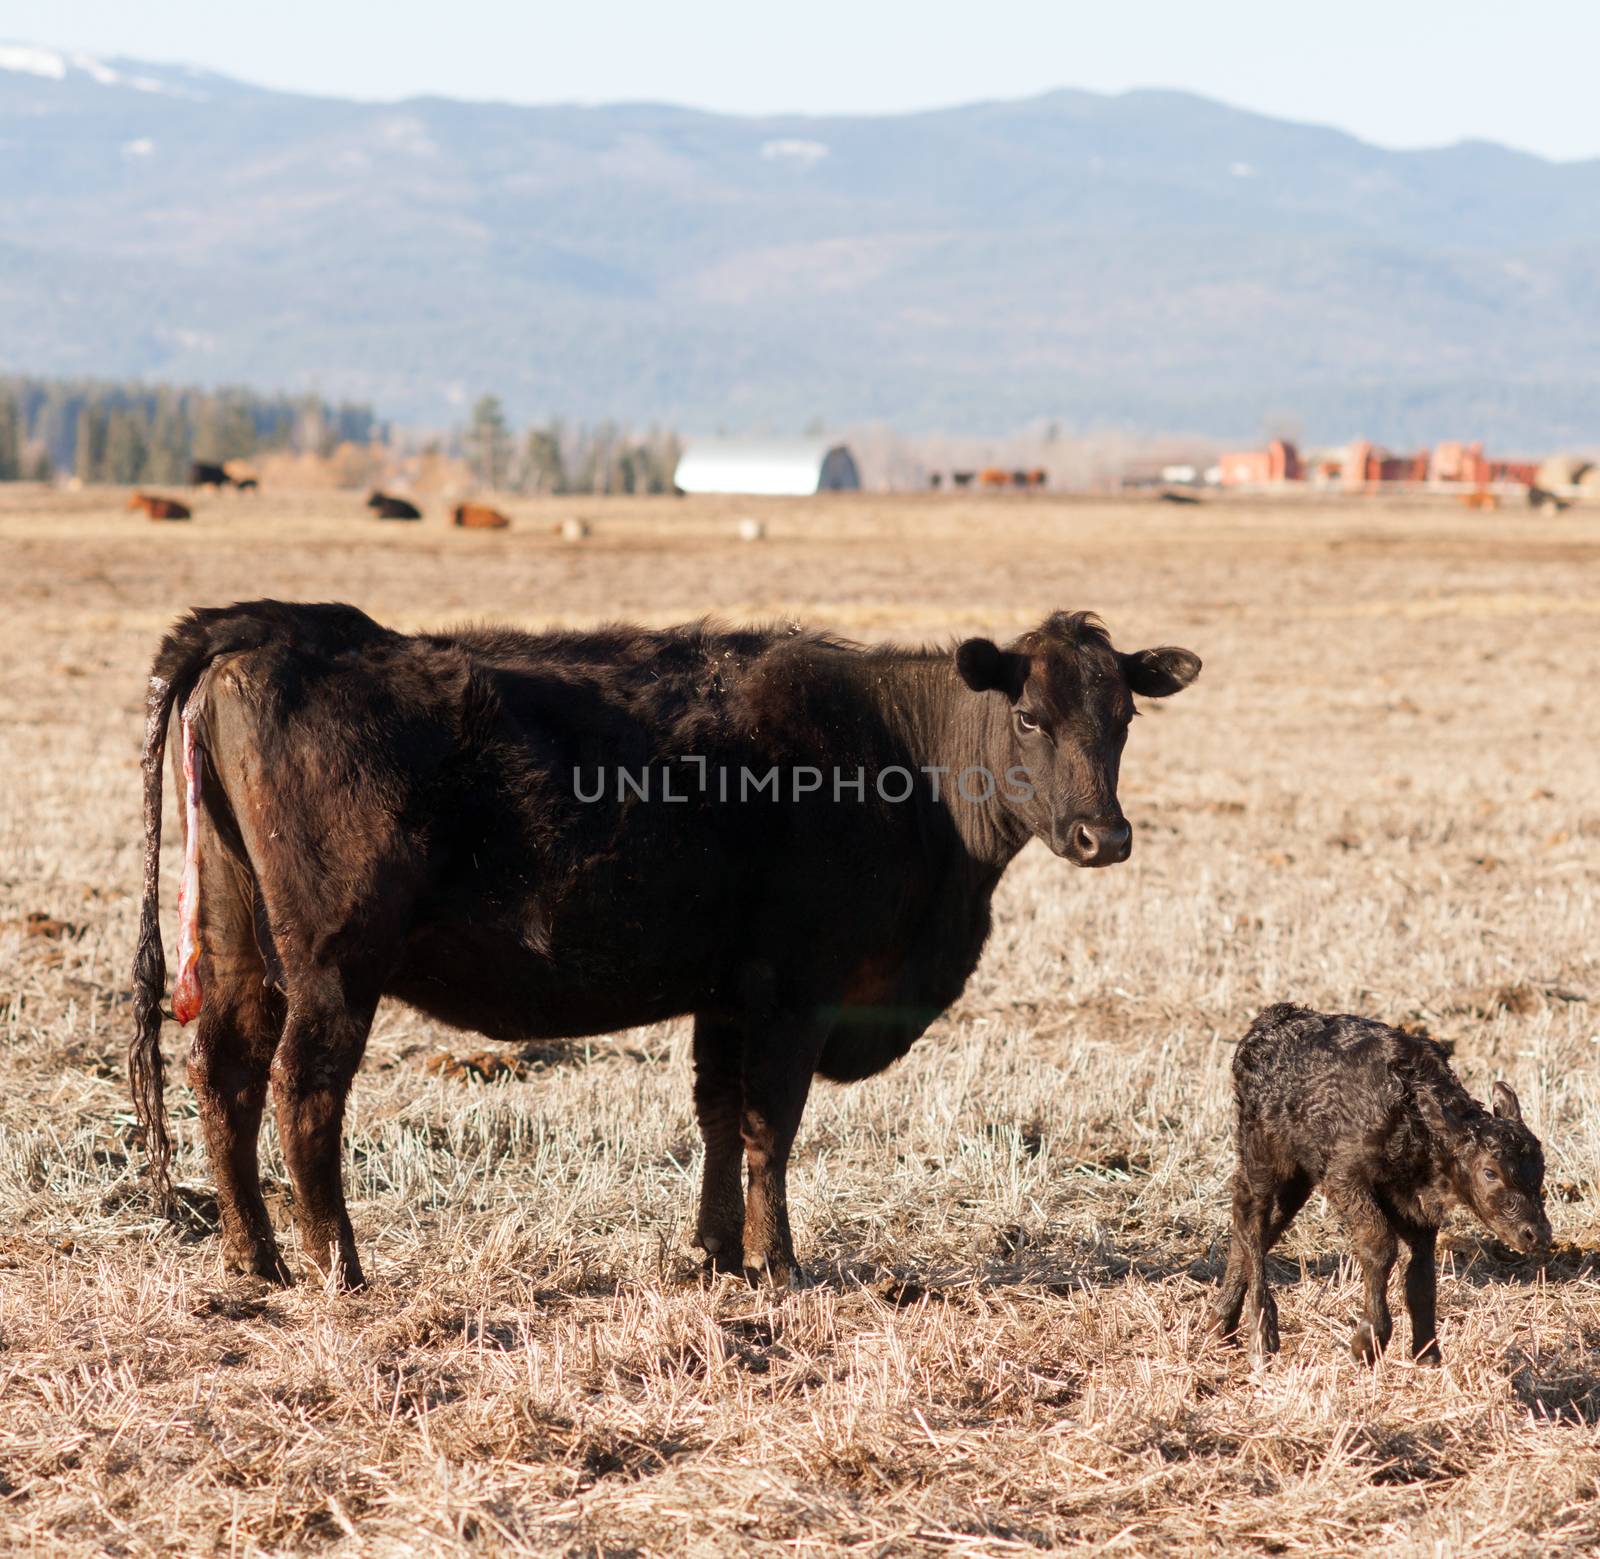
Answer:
x=1378 y=1120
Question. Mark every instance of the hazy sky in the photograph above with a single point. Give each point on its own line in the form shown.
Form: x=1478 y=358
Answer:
x=1399 y=72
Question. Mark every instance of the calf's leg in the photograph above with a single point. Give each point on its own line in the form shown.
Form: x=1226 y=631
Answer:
x=317 y=1058
x=1259 y=1219
x=1236 y=1278
x=1376 y=1249
x=719 y=1108
x=1261 y=1309
x=1422 y=1294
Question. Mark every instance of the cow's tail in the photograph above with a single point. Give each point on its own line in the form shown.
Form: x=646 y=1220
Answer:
x=149 y=959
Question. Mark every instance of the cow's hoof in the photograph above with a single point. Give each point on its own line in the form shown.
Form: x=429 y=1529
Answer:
x=346 y=1276
x=723 y=1256
x=1364 y=1345
x=774 y=1272
x=1429 y=1354
x=260 y=1261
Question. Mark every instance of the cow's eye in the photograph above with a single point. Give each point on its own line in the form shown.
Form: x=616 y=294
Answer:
x=1025 y=721
x=1490 y=1175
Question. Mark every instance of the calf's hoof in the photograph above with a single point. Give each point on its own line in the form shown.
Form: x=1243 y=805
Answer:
x=1222 y=1324
x=1264 y=1332
x=1429 y=1353
x=1365 y=1347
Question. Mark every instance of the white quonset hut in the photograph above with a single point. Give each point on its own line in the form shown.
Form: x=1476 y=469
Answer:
x=766 y=467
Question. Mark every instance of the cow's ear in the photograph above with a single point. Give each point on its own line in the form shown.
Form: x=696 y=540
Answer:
x=1160 y=673
x=1506 y=1105
x=986 y=668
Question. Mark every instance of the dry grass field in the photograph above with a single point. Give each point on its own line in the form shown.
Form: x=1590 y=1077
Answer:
x=1382 y=796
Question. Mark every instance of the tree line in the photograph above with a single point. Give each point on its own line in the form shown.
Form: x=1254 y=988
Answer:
x=130 y=432
x=555 y=457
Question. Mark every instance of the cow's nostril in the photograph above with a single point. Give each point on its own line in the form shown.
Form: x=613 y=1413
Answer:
x=1083 y=840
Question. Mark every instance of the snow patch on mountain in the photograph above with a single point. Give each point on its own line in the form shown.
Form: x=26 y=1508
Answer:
x=28 y=61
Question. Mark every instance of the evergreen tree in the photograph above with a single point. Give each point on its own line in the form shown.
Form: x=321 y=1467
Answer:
x=10 y=440
x=123 y=460
x=543 y=470
x=489 y=443
x=89 y=444
x=167 y=456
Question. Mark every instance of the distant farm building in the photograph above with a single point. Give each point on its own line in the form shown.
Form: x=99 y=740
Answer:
x=1360 y=464
x=1278 y=462
x=775 y=468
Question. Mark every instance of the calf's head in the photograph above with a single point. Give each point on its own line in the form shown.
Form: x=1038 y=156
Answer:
x=1070 y=698
x=1497 y=1170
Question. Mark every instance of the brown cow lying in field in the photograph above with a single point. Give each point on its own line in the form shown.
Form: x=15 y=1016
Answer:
x=159 y=508
x=456 y=819
x=478 y=516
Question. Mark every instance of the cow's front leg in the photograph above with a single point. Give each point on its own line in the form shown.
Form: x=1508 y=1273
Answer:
x=779 y=1060
x=718 y=1107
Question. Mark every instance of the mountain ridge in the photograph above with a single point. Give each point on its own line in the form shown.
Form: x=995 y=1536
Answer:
x=1146 y=260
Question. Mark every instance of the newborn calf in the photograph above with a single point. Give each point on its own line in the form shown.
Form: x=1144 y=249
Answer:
x=1377 y=1119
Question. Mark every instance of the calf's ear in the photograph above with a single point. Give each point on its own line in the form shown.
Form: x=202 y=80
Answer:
x=1503 y=1099
x=1159 y=673
x=986 y=668
x=1437 y=1115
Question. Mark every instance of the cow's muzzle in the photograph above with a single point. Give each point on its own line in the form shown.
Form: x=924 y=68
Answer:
x=1096 y=842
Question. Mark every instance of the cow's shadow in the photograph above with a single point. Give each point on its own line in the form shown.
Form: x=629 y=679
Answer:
x=1103 y=1264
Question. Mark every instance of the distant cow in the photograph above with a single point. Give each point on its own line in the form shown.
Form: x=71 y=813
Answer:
x=789 y=836
x=159 y=508
x=388 y=507
x=478 y=516
x=202 y=473
x=993 y=476
x=1377 y=1119
x=247 y=484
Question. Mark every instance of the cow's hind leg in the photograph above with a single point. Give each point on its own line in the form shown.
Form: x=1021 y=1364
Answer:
x=241 y=1017
x=323 y=1038
x=229 y=1059
x=718 y=1106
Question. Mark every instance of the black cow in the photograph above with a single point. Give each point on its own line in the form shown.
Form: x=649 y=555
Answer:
x=202 y=473
x=791 y=837
x=388 y=507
